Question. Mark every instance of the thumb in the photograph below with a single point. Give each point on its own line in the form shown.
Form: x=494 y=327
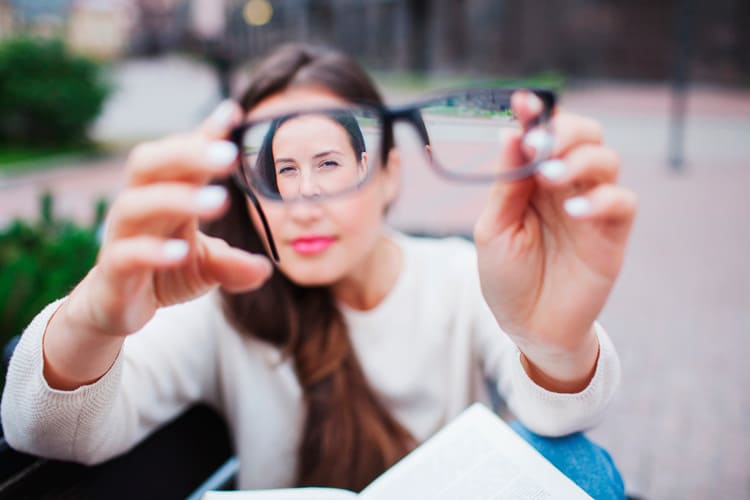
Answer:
x=508 y=201
x=234 y=269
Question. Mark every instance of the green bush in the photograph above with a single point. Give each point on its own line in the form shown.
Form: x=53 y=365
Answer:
x=41 y=261
x=48 y=96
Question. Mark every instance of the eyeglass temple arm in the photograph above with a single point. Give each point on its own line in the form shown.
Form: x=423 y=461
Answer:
x=236 y=137
x=269 y=237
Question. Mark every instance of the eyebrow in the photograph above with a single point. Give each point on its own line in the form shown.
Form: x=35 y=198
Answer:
x=315 y=156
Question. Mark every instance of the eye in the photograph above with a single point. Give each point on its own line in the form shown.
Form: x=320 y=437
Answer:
x=286 y=170
x=329 y=164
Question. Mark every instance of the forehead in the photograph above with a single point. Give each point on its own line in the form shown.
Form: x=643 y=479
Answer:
x=318 y=126
x=294 y=99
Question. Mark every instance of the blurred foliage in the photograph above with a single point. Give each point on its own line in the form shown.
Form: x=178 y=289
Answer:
x=21 y=158
x=48 y=96
x=41 y=261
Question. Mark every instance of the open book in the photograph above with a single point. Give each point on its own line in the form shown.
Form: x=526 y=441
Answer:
x=477 y=456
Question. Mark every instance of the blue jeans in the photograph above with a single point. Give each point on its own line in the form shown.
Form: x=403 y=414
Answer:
x=587 y=464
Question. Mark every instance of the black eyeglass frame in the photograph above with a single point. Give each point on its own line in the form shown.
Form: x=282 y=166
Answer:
x=409 y=113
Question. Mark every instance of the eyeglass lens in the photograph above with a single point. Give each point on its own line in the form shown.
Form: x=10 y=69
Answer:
x=312 y=154
x=465 y=130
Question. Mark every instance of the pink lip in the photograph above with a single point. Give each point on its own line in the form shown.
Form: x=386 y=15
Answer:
x=311 y=245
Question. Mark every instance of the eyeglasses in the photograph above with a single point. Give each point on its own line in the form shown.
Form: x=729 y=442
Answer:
x=317 y=154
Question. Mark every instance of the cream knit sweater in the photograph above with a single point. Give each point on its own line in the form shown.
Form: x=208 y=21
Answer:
x=426 y=350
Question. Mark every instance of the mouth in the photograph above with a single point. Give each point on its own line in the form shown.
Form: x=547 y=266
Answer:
x=311 y=245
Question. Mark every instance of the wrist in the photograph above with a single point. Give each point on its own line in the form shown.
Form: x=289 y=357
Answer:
x=568 y=370
x=75 y=353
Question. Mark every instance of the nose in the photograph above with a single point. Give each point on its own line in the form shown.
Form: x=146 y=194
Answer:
x=309 y=188
x=305 y=210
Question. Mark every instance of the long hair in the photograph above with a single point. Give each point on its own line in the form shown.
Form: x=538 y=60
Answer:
x=349 y=437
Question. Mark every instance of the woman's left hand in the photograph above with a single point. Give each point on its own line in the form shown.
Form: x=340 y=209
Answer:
x=550 y=247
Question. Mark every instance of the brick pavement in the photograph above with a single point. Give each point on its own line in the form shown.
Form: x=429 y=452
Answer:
x=76 y=188
x=680 y=313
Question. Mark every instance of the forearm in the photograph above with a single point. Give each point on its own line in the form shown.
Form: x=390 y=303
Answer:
x=563 y=370
x=75 y=354
x=61 y=424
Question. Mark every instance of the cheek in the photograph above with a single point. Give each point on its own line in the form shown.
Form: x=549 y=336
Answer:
x=363 y=213
x=359 y=219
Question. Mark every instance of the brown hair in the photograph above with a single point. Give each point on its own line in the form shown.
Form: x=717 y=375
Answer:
x=349 y=438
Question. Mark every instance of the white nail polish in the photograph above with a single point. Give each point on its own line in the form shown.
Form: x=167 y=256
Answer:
x=175 y=249
x=577 y=206
x=552 y=169
x=541 y=141
x=210 y=197
x=222 y=114
x=534 y=103
x=221 y=153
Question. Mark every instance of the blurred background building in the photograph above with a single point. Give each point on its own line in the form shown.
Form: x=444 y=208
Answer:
x=638 y=39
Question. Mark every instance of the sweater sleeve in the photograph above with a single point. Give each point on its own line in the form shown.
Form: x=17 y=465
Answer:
x=160 y=370
x=543 y=412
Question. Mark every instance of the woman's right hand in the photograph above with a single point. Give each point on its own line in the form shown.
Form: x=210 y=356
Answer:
x=153 y=254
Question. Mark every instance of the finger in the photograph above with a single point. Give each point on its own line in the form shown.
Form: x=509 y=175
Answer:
x=180 y=158
x=221 y=120
x=508 y=201
x=526 y=106
x=164 y=206
x=537 y=141
x=605 y=202
x=573 y=130
x=125 y=257
x=234 y=269
x=584 y=166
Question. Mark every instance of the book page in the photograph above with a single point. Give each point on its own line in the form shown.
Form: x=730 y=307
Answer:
x=475 y=457
x=283 y=494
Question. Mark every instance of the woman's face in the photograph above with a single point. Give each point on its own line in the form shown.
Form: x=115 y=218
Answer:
x=313 y=155
x=321 y=242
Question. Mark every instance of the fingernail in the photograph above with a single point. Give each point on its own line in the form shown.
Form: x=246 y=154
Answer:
x=221 y=153
x=577 y=206
x=210 y=197
x=540 y=141
x=534 y=103
x=552 y=169
x=222 y=115
x=175 y=249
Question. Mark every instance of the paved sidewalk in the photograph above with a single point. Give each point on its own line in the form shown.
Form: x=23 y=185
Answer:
x=680 y=313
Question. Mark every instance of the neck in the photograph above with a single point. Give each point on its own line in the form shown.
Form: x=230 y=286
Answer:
x=365 y=288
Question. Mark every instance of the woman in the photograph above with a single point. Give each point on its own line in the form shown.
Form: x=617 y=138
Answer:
x=362 y=342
